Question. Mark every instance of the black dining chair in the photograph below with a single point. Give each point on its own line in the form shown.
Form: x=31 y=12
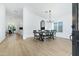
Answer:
x=53 y=34
x=36 y=34
x=46 y=34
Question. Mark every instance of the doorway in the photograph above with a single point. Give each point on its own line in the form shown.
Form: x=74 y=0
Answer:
x=14 y=22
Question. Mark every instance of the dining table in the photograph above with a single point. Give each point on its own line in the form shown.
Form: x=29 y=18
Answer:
x=44 y=33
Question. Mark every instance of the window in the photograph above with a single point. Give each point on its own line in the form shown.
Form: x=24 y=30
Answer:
x=58 y=26
x=55 y=26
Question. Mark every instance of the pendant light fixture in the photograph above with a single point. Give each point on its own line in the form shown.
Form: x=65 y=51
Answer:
x=49 y=17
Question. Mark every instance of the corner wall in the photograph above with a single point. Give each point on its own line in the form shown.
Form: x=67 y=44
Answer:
x=63 y=13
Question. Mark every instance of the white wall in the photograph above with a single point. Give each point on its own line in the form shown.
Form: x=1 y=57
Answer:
x=2 y=23
x=31 y=21
x=20 y=25
x=63 y=13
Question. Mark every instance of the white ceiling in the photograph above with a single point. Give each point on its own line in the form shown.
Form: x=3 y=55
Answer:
x=40 y=9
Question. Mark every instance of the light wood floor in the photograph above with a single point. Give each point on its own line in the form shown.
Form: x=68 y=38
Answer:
x=14 y=46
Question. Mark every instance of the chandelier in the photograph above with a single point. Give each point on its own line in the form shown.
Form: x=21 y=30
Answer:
x=49 y=17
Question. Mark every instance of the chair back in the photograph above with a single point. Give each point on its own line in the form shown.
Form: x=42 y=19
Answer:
x=34 y=31
x=47 y=32
x=54 y=32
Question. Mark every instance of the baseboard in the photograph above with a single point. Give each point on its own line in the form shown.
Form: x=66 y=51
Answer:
x=63 y=38
x=25 y=37
x=2 y=40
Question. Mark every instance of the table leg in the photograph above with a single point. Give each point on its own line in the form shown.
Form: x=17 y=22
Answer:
x=41 y=37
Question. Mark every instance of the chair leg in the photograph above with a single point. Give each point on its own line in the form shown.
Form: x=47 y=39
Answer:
x=53 y=37
x=70 y=37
